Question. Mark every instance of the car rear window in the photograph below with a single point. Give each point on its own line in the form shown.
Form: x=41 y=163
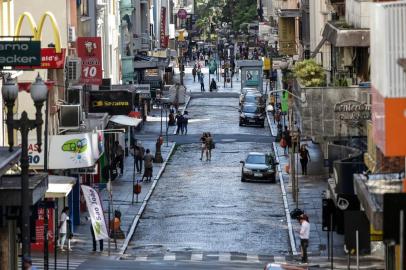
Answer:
x=252 y=99
x=256 y=159
x=250 y=109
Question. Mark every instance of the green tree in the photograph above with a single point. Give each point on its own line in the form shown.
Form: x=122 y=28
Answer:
x=309 y=73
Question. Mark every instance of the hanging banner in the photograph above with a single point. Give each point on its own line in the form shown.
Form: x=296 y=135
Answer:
x=95 y=209
x=72 y=151
x=163 y=28
x=89 y=50
x=39 y=230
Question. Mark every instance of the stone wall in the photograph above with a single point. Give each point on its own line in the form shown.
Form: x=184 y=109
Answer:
x=331 y=113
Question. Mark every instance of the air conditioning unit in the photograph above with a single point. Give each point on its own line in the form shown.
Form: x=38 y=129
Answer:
x=70 y=116
x=73 y=69
x=71 y=34
x=75 y=95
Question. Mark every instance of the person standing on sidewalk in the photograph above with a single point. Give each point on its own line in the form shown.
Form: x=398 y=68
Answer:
x=138 y=156
x=304 y=235
x=304 y=158
x=148 y=166
x=194 y=71
x=119 y=156
x=179 y=123
x=94 y=239
x=185 y=122
x=202 y=83
x=63 y=227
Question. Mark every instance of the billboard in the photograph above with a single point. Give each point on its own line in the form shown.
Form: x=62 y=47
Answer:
x=113 y=102
x=89 y=50
x=17 y=53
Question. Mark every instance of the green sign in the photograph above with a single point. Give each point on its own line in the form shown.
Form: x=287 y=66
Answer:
x=285 y=98
x=20 y=53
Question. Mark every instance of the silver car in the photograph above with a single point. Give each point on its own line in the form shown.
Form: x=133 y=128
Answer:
x=258 y=167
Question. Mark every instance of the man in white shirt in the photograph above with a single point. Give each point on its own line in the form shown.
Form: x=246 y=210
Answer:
x=63 y=227
x=304 y=235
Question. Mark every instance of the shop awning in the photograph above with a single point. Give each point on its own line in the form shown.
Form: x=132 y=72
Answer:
x=59 y=186
x=125 y=120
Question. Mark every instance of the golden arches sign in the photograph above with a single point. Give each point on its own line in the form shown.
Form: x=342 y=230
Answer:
x=37 y=31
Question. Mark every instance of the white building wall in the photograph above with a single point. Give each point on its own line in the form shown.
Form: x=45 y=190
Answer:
x=318 y=19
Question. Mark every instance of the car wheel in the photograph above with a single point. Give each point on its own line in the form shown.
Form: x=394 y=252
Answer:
x=240 y=124
x=242 y=179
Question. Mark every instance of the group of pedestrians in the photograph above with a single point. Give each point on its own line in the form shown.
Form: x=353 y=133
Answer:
x=141 y=155
x=182 y=121
x=207 y=144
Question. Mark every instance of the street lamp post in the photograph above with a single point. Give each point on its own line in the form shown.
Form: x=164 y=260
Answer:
x=39 y=94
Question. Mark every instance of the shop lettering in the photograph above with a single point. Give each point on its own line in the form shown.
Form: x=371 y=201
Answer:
x=352 y=110
x=17 y=59
x=93 y=200
x=14 y=47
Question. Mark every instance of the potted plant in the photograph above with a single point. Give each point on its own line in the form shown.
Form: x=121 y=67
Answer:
x=309 y=73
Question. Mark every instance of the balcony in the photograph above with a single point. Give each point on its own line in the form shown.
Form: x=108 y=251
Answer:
x=341 y=34
x=357 y=13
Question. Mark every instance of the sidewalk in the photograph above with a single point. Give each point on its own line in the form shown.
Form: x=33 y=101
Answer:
x=122 y=188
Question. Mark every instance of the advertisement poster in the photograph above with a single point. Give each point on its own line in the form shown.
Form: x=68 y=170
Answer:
x=89 y=50
x=95 y=210
x=114 y=102
x=39 y=231
x=71 y=151
x=252 y=78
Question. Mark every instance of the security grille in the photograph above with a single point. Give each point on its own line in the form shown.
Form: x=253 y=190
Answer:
x=73 y=69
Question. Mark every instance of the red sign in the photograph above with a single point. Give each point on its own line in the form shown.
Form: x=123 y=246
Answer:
x=163 y=27
x=39 y=230
x=50 y=59
x=89 y=50
x=182 y=14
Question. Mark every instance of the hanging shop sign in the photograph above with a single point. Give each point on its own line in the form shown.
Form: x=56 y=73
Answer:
x=352 y=110
x=143 y=91
x=50 y=59
x=95 y=209
x=17 y=53
x=89 y=50
x=113 y=102
x=163 y=28
x=40 y=228
x=72 y=151
x=37 y=31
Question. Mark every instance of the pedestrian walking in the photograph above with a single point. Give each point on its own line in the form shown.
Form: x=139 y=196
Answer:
x=185 y=122
x=139 y=152
x=194 y=72
x=209 y=146
x=202 y=82
x=27 y=264
x=179 y=123
x=119 y=156
x=94 y=240
x=304 y=235
x=288 y=138
x=203 y=145
x=63 y=227
x=148 y=166
x=304 y=158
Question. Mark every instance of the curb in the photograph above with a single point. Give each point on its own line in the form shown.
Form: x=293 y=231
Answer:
x=183 y=110
x=284 y=197
x=144 y=205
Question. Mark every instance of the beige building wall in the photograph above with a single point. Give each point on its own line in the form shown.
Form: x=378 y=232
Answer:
x=319 y=15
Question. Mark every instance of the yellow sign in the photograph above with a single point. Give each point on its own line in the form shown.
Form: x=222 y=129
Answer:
x=181 y=36
x=376 y=235
x=37 y=31
x=267 y=63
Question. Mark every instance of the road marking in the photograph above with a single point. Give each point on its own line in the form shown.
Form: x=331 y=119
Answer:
x=169 y=257
x=224 y=257
x=252 y=258
x=197 y=257
x=141 y=258
x=279 y=259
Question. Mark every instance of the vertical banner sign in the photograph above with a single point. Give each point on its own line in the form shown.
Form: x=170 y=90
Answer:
x=89 y=50
x=163 y=28
x=96 y=212
x=39 y=231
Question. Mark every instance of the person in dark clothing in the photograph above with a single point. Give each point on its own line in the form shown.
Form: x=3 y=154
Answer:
x=138 y=156
x=304 y=158
x=119 y=156
x=194 y=72
x=94 y=240
x=185 y=122
x=179 y=123
x=288 y=138
x=201 y=79
x=213 y=85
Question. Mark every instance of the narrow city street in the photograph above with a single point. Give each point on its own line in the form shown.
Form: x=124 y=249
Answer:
x=201 y=210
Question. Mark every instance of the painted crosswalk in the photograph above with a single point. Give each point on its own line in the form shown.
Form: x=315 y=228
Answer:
x=60 y=265
x=237 y=257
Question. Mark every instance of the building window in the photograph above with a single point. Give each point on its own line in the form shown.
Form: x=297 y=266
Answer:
x=84 y=7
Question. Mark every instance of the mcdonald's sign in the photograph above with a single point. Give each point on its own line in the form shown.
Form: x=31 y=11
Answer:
x=37 y=31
